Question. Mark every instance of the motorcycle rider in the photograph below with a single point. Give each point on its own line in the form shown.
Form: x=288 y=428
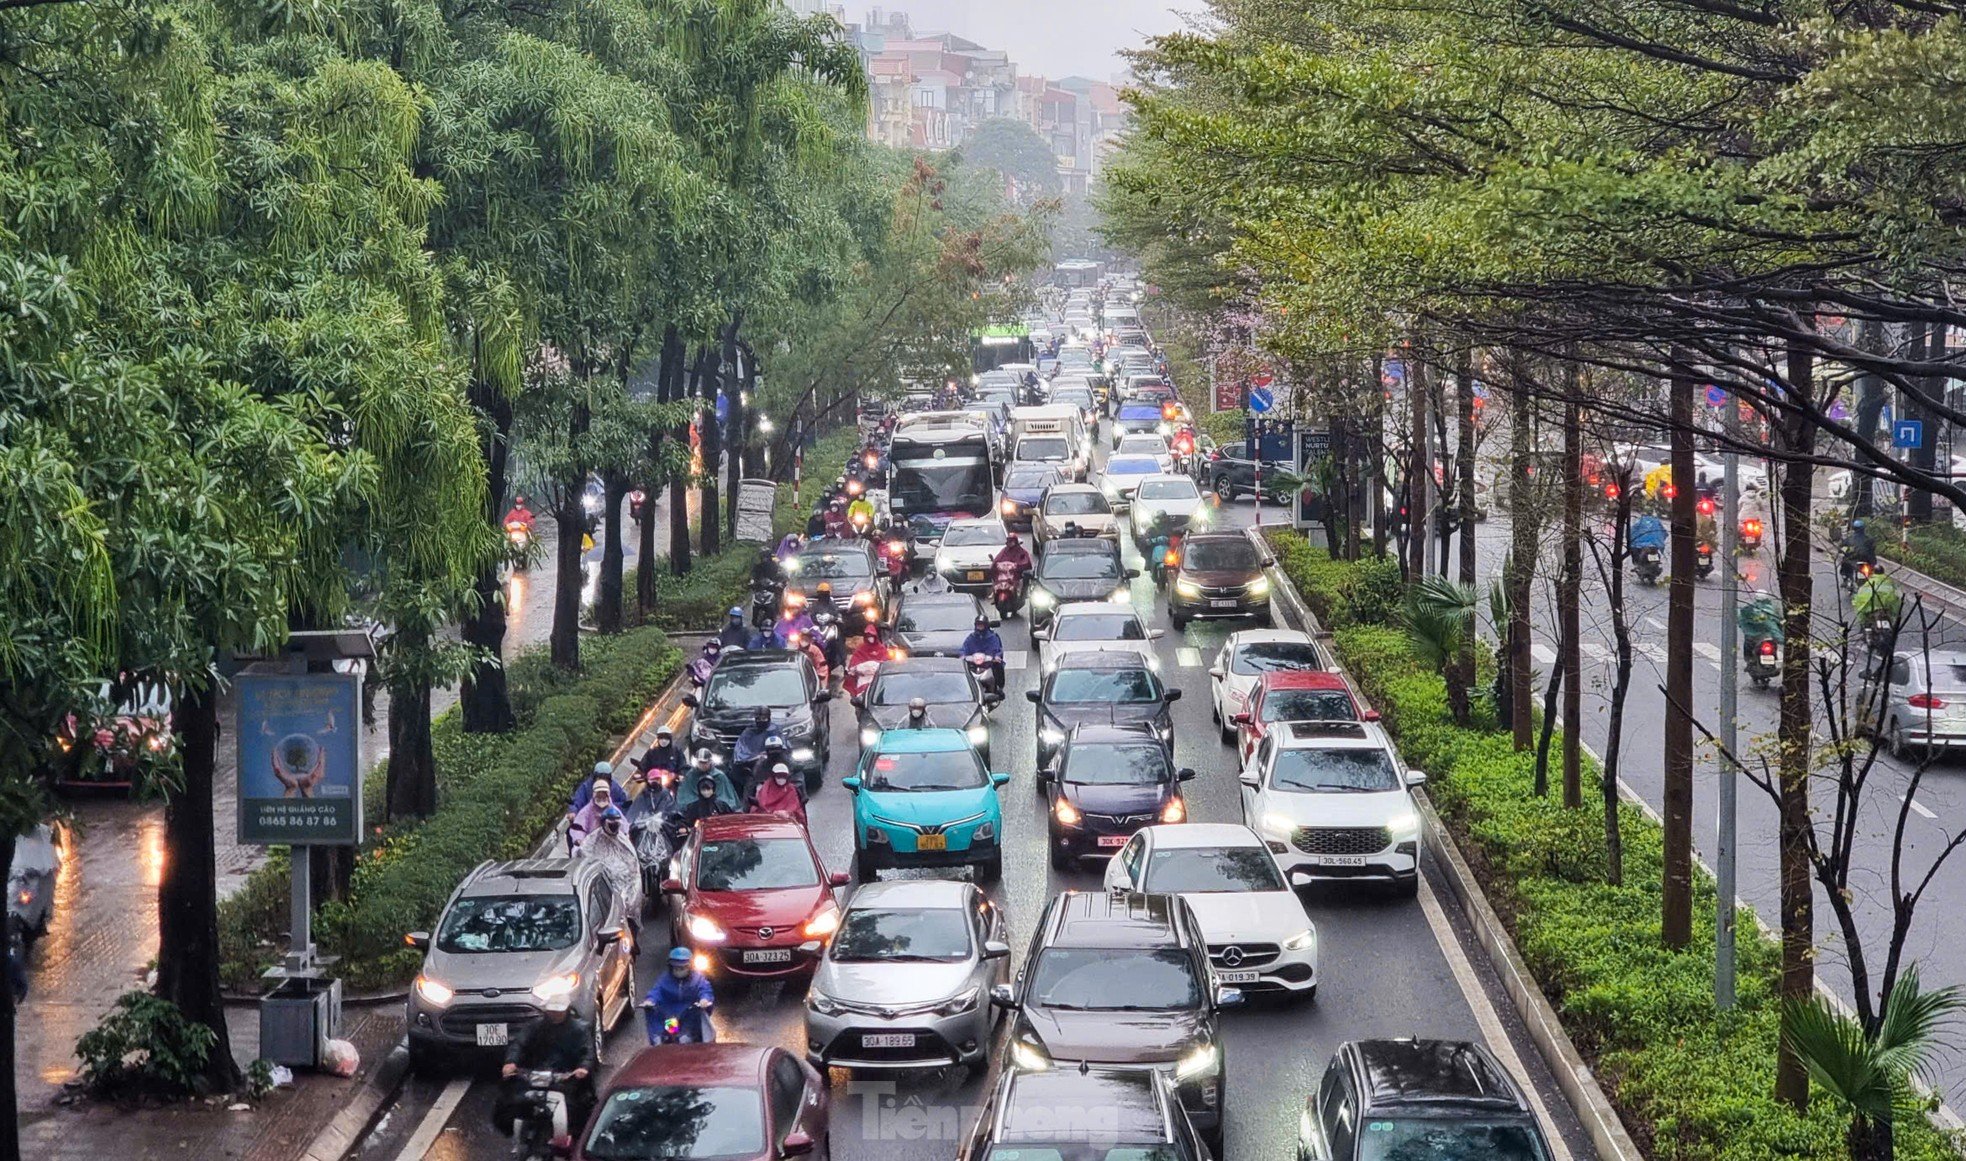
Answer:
x=984 y=647
x=790 y=546
x=807 y=643
x=1877 y=598
x=775 y=754
x=860 y=514
x=865 y=661
x=706 y=804
x=736 y=634
x=518 y=513
x=779 y=792
x=560 y=1042
x=683 y=994
x=1013 y=554
x=795 y=618
x=1647 y=532
x=1760 y=619
x=704 y=765
x=767 y=572
x=917 y=714
x=749 y=744
x=665 y=758
x=1858 y=548
x=835 y=519
x=602 y=792
x=609 y=847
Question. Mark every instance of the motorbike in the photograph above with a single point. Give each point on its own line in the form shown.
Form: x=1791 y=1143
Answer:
x=764 y=606
x=1163 y=557
x=1764 y=662
x=896 y=555
x=1879 y=629
x=1703 y=559
x=1645 y=562
x=831 y=640
x=1750 y=535
x=518 y=537
x=692 y=1026
x=636 y=498
x=986 y=669
x=651 y=835
x=539 y=1121
x=1007 y=589
x=1854 y=572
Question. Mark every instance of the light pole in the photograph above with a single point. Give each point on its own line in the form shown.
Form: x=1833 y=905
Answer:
x=1730 y=597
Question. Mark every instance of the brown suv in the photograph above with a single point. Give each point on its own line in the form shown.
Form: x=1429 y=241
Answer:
x=1220 y=575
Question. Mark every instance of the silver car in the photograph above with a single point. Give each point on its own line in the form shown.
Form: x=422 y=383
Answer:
x=1922 y=707
x=906 y=982
x=514 y=935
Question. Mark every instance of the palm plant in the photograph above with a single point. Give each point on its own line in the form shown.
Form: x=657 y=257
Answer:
x=1439 y=615
x=1870 y=1071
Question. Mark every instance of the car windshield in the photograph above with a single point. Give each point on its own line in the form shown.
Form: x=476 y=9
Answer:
x=1076 y=504
x=1030 y=479
x=927 y=618
x=755 y=865
x=1308 y=705
x=1233 y=554
x=1078 y=396
x=678 y=1123
x=899 y=688
x=1348 y=769
x=1109 y=979
x=750 y=686
x=1094 y=1150
x=1126 y=686
x=1101 y=764
x=1137 y=412
x=1043 y=449
x=1439 y=1139
x=1169 y=490
x=935 y=770
x=1195 y=870
x=923 y=935
x=1274 y=656
x=833 y=566
x=971 y=535
x=478 y=923
x=1142 y=445
x=939 y=487
x=1132 y=466
x=1080 y=566
x=1100 y=627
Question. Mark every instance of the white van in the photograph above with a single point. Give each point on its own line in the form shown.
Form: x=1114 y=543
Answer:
x=1055 y=419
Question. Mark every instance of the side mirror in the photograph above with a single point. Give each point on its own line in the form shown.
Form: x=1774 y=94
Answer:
x=1241 y=719
x=1217 y=672
x=1250 y=779
x=607 y=935
x=995 y=949
x=1001 y=995
x=691 y=700
x=797 y=1144
x=1173 y=695
x=999 y=778
x=1415 y=778
x=838 y=879
x=1228 y=997
x=1371 y=715
x=672 y=886
x=1269 y=562
x=419 y=940
x=1156 y=634
x=822 y=696
x=1033 y=696
x=1132 y=573
x=858 y=701
x=1185 y=774
x=851 y=783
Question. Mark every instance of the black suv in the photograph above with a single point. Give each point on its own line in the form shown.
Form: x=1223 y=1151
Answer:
x=1110 y=781
x=861 y=591
x=1122 y=978
x=1086 y=568
x=1229 y=471
x=1443 y=1098
x=1087 y=1115
x=1100 y=688
x=779 y=680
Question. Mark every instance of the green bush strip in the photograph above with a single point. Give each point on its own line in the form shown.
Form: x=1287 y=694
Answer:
x=1690 y=1082
x=1937 y=550
x=497 y=794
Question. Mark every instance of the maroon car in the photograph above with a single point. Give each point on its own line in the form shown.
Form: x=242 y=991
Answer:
x=753 y=897
x=685 y=1102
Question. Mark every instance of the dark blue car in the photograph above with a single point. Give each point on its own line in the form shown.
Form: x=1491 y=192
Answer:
x=1134 y=418
x=1023 y=488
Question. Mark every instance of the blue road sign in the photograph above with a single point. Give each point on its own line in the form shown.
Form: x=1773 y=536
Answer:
x=1715 y=396
x=1261 y=399
x=1908 y=433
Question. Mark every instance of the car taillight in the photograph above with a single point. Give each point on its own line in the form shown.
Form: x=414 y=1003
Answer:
x=1767 y=648
x=1926 y=701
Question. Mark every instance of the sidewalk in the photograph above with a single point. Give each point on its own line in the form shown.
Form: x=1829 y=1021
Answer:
x=103 y=940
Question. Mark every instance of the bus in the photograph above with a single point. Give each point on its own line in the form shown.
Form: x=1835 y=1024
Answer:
x=940 y=469
x=992 y=347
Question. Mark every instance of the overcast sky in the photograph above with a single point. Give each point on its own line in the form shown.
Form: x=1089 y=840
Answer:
x=1055 y=38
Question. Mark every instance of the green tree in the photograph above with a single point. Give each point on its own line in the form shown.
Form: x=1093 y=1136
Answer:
x=1015 y=150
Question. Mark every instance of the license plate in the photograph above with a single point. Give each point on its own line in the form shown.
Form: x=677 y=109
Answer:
x=1112 y=840
x=1220 y=603
x=888 y=1040
x=975 y=575
x=1340 y=860
x=493 y=1035
x=769 y=955
x=1242 y=977
x=932 y=842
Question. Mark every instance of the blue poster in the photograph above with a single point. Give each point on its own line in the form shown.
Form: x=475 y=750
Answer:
x=300 y=758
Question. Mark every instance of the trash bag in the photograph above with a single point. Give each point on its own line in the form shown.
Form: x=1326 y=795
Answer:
x=340 y=1058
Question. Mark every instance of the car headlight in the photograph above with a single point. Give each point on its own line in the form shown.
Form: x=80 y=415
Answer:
x=941 y=562
x=869 y=736
x=1066 y=813
x=1200 y=518
x=1106 y=486
x=1009 y=507
x=706 y=929
x=1280 y=825
x=1405 y=826
x=1042 y=599
x=824 y=1004
x=978 y=735
x=984 y=833
x=1174 y=811
x=1304 y=940
x=433 y=992
x=1202 y=1060
x=864 y=599
x=1052 y=736
x=1121 y=595
x=555 y=987
x=1164 y=429
x=1259 y=586
x=957 y=1005
x=802 y=754
x=1188 y=589
x=1029 y=1056
x=824 y=922
x=792 y=564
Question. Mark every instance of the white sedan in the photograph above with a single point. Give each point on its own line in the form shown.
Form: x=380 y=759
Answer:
x=1248 y=655
x=1122 y=474
x=1146 y=443
x=1096 y=627
x=1259 y=938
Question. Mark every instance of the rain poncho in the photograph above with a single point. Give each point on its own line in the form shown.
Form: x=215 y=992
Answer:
x=1760 y=620
x=617 y=858
x=1648 y=532
x=1877 y=597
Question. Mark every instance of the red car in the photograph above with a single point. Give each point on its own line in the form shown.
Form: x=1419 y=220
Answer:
x=1295 y=696
x=752 y=897
x=734 y=1102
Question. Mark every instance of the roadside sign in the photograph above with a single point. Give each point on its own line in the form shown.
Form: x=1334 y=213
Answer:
x=1908 y=433
x=756 y=500
x=1715 y=396
x=1261 y=399
x=300 y=758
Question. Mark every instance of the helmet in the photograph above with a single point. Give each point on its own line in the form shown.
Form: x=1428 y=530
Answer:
x=604 y=769
x=706 y=782
x=1857 y=524
x=761 y=716
x=679 y=955
x=982 y=622
x=917 y=705
x=665 y=731
x=774 y=742
x=1010 y=541
x=705 y=754
x=612 y=813
x=736 y=614
x=825 y=587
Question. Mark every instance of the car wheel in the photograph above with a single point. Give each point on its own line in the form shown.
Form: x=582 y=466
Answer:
x=1228 y=734
x=1309 y=995
x=864 y=868
x=1224 y=489
x=1894 y=741
x=1408 y=888
x=1266 y=619
x=1179 y=622
x=990 y=871
x=1213 y=1137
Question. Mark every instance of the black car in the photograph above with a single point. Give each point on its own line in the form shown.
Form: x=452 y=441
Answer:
x=784 y=682
x=1081 y=569
x=1229 y=471
x=946 y=685
x=854 y=572
x=1109 y=782
x=1434 y=1098
x=1098 y=688
x=1091 y=1114
x=935 y=624
x=1122 y=978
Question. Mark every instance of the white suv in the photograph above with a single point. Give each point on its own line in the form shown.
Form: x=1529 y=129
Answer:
x=1332 y=801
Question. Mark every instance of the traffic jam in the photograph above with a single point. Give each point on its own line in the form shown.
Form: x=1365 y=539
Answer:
x=1012 y=816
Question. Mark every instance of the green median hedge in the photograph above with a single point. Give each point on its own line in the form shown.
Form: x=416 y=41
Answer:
x=497 y=795
x=1690 y=1082
x=1937 y=550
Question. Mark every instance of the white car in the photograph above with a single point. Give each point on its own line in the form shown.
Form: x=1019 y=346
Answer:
x=967 y=550
x=1123 y=474
x=1147 y=444
x=1096 y=628
x=1259 y=938
x=1332 y=801
x=1169 y=499
x=1248 y=655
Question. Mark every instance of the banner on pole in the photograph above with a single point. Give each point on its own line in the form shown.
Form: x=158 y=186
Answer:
x=300 y=758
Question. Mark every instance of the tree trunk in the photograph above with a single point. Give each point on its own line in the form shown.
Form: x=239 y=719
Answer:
x=486 y=701
x=645 y=548
x=1464 y=453
x=1569 y=595
x=1870 y=409
x=1522 y=563
x=1918 y=501
x=1870 y=1140
x=1551 y=693
x=1419 y=470
x=675 y=388
x=412 y=785
x=709 y=377
x=731 y=378
x=1796 y=437
x=1676 y=899
x=568 y=574
x=608 y=592
x=1614 y=735
x=187 y=890
x=1375 y=450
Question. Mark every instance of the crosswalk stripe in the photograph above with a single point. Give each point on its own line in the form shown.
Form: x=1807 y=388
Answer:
x=1652 y=651
x=1707 y=649
x=1543 y=654
x=1016 y=658
x=1188 y=656
x=1593 y=650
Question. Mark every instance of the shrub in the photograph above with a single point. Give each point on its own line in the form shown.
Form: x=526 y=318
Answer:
x=1937 y=550
x=144 y=1047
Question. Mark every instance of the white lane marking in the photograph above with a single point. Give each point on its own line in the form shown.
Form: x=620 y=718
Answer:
x=1594 y=651
x=1651 y=650
x=1484 y=1013
x=1658 y=626
x=1543 y=654
x=432 y=1125
x=1014 y=659
x=1919 y=807
x=1707 y=649
x=1188 y=656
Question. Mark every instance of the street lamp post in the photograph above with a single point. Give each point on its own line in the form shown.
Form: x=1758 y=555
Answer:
x=1730 y=596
